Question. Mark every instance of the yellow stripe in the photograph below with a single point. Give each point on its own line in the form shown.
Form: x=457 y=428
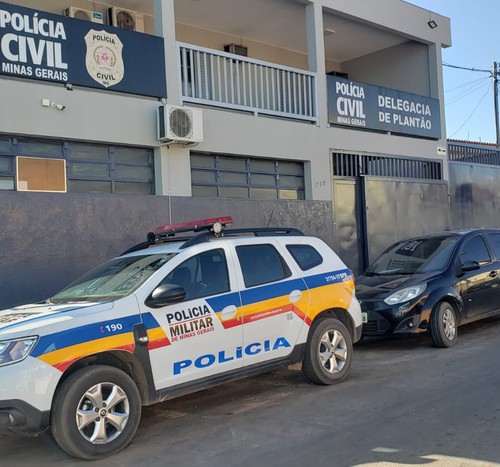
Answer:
x=337 y=295
x=156 y=333
x=87 y=348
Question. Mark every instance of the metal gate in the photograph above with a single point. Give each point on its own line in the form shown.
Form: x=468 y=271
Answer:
x=370 y=213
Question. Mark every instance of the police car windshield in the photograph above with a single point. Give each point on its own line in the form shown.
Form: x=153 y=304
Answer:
x=112 y=280
x=415 y=256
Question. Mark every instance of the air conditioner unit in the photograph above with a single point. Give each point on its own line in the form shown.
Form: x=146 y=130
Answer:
x=180 y=124
x=236 y=49
x=126 y=19
x=87 y=15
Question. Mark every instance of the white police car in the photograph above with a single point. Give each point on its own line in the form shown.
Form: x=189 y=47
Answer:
x=171 y=316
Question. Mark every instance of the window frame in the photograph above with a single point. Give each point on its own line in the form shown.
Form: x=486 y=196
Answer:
x=249 y=284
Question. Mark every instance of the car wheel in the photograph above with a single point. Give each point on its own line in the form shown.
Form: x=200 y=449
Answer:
x=444 y=325
x=328 y=352
x=96 y=412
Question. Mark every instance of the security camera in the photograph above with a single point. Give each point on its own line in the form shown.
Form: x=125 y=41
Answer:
x=57 y=106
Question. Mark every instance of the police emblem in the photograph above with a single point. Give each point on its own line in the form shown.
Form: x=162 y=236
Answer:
x=104 y=57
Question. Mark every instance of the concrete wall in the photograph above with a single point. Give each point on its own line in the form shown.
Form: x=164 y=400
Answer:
x=47 y=240
x=400 y=67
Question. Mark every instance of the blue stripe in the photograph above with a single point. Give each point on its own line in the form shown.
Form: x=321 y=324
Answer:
x=328 y=278
x=259 y=294
x=266 y=292
x=220 y=302
x=149 y=321
x=89 y=332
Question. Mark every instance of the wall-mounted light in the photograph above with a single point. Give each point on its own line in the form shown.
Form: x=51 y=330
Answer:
x=432 y=24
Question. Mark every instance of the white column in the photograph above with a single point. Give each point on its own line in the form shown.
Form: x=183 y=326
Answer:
x=316 y=57
x=172 y=164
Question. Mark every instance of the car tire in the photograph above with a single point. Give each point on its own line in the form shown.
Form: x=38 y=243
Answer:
x=444 y=325
x=328 y=352
x=96 y=412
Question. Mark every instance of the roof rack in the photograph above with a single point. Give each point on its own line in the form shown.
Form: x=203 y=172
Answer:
x=209 y=228
x=167 y=233
x=257 y=232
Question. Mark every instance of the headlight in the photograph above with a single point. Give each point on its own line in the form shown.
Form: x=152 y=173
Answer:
x=16 y=350
x=404 y=295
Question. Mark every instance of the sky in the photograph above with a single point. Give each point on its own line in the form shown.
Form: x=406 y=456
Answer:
x=469 y=101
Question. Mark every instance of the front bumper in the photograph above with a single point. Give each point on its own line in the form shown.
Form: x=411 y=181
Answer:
x=384 y=320
x=17 y=416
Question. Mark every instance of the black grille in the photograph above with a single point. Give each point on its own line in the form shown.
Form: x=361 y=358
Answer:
x=354 y=165
x=371 y=326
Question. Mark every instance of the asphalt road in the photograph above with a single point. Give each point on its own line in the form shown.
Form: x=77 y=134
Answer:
x=404 y=403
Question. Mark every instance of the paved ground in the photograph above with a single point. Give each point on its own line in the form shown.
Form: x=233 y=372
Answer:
x=405 y=403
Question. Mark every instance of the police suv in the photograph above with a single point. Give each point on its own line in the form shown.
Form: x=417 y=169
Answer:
x=171 y=316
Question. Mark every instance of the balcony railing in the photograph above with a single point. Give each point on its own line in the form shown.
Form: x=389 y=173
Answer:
x=231 y=81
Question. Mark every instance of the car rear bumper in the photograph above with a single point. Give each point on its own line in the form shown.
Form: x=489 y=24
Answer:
x=17 y=416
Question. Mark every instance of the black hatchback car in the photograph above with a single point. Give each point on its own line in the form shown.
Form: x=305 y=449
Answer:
x=435 y=282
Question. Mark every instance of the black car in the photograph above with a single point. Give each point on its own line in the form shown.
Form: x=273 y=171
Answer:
x=435 y=282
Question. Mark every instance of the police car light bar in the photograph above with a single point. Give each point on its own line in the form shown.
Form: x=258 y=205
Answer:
x=216 y=224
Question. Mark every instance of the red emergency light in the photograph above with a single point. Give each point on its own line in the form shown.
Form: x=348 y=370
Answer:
x=215 y=223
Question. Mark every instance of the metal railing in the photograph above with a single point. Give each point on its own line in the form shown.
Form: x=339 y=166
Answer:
x=231 y=81
x=355 y=165
x=476 y=154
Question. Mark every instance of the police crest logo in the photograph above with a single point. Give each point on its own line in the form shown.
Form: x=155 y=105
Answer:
x=104 y=59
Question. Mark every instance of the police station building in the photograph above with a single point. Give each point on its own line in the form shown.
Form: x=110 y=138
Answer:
x=120 y=115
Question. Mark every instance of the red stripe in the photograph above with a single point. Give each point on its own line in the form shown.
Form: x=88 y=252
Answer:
x=63 y=366
x=157 y=343
x=267 y=314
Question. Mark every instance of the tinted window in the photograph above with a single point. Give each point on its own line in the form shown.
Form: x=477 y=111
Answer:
x=202 y=275
x=474 y=249
x=305 y=255
x=494 y=241
x=414 y=256
x=261 y=264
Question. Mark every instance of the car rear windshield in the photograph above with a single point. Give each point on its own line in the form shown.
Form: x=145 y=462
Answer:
x=419 y=255
x=112 y=280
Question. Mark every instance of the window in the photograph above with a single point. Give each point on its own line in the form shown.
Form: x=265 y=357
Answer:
x=110 y=169
x=261 y=264
x=202 y=275
x=494 y=241
x=7 y=171
x=41 y=174
x=90 y=168
x=305 y=255
x=474 y=249
x=227 y=176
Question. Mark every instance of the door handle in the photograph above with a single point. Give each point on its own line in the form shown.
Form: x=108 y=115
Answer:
x=229 y=312
x=493 y=274
x=295 y=296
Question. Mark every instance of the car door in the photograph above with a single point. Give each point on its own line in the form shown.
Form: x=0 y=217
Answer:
x=192 y=342
x=493 y=241
x=275 y=301
x=478 y=287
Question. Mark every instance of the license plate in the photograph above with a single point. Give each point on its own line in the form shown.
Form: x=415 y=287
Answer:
x=364 y=317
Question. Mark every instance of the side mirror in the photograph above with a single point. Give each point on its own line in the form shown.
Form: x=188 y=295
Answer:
x=469 y=266
x=165 y=295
